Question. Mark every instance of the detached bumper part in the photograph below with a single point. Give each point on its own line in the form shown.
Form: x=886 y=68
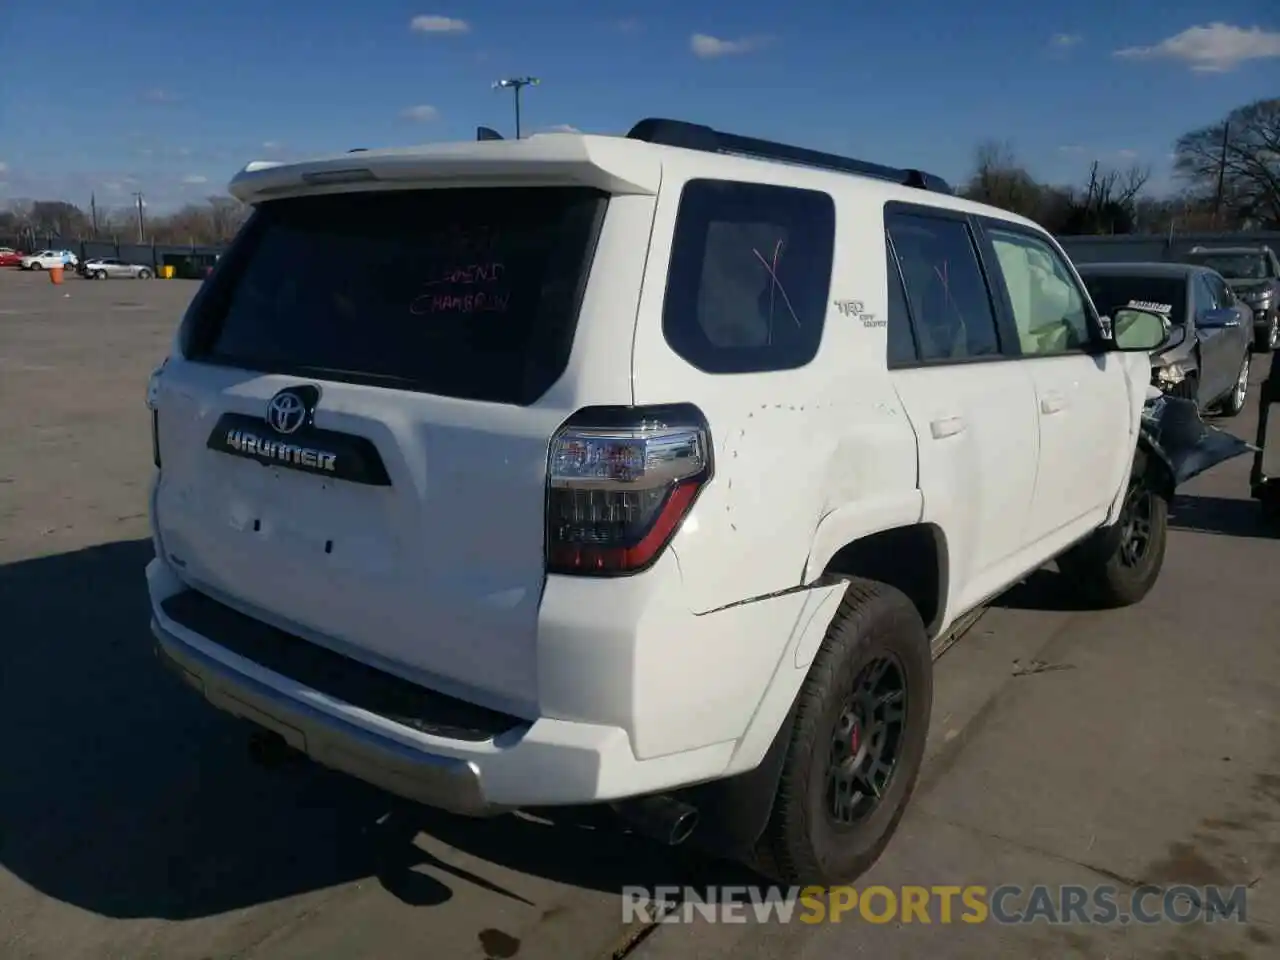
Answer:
x=1188 y=445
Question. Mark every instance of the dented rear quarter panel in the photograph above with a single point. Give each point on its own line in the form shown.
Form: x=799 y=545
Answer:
x=805 y=459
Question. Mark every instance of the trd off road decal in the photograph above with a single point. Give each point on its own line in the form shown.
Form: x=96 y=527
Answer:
x=856 y=308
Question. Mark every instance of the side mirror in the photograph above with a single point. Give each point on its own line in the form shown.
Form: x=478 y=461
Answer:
x=1135 y=329
x=1218 y=319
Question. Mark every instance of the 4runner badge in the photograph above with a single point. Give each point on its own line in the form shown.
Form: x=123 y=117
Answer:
x=856 y=308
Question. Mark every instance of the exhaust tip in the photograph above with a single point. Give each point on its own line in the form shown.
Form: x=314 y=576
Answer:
x=683 y=827
x=665 y=819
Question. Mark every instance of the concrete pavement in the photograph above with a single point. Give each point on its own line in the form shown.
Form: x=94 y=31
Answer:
x=1068 y=746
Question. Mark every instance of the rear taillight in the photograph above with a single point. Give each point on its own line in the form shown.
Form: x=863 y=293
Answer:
x=620 y=483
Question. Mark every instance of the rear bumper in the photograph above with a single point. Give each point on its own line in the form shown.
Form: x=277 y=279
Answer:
x=445 y=782
x=546 y=762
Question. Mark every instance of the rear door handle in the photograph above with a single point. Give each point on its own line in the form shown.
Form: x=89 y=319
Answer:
x=945 y=427
x=1053 y=403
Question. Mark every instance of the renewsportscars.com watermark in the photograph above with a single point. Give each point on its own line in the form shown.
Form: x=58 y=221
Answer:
x=1007 y=904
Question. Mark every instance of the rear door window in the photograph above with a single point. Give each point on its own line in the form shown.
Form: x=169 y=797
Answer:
x=749 y=276
x=901 y=340
x=469 y=293
x=951 y=307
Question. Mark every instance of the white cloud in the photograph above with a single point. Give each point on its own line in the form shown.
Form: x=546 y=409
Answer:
x=4 y=167
x=159 y=95
x=1065 y=41
x=628 y=25
x=430 y=23
x=1071 y=148
x=1126 y=154
x=271 y=145
x=1216 y=48
x=707 y=47
x=422 y=112
x=557 y=128
x=195 y=178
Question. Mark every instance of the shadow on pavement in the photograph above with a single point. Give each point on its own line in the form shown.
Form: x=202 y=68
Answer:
x=1043 y=590
x=1225 y=516
x=125 y=794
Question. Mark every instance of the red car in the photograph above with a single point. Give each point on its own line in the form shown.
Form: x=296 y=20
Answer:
x=10 y=257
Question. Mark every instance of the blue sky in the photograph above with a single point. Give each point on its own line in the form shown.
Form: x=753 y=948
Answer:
x=120 y=95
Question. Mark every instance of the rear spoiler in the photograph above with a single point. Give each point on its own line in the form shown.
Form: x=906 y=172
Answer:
x=610 y=164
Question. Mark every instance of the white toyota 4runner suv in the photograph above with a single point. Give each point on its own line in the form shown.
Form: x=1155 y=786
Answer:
x=640 y=470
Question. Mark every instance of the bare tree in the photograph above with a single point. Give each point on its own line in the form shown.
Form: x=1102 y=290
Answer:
x=1109 y=203
x=1000 y=180
x=31 y=223
x=1242 y=152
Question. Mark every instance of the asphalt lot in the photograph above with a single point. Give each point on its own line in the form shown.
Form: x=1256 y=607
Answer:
x=1069 y=746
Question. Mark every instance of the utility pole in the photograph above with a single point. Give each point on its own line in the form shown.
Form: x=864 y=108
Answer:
x=1222 y=170
x=142 y=230
x=93 y=213
x=516 y=84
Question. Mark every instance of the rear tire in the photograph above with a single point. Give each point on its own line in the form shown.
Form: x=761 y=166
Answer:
x=37 y=266
x=862 y=713
x=144 y=274
x=100 y=275
x=1117 y=566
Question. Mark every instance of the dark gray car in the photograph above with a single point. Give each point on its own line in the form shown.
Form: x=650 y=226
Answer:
x=1206 y=357
x=1253 y=273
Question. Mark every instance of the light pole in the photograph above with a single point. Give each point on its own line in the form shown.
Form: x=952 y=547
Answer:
x=517 y=84
x=142 y=230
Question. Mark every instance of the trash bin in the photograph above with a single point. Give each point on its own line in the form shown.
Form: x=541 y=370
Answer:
x=55 y=274
x=166 y=272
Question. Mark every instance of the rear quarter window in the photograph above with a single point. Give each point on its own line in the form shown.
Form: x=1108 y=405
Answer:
x=749 y=276
x=469 y=293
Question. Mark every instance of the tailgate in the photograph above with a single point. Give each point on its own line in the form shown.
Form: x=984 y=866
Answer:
x=354 y=444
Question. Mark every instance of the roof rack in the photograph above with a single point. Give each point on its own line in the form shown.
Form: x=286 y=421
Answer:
x=695 y=136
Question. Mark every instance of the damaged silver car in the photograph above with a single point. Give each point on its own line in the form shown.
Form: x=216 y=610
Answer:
x=1206 y=357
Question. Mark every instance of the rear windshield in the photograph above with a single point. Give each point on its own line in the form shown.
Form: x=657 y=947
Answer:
x=1233 y=266
x=469 y=293
x=1110 y=293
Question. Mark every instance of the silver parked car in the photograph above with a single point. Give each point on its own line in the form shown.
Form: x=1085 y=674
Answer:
x=107 y=268
x=1206 y=356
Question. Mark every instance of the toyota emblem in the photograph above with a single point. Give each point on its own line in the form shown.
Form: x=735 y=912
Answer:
x=291 y=409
